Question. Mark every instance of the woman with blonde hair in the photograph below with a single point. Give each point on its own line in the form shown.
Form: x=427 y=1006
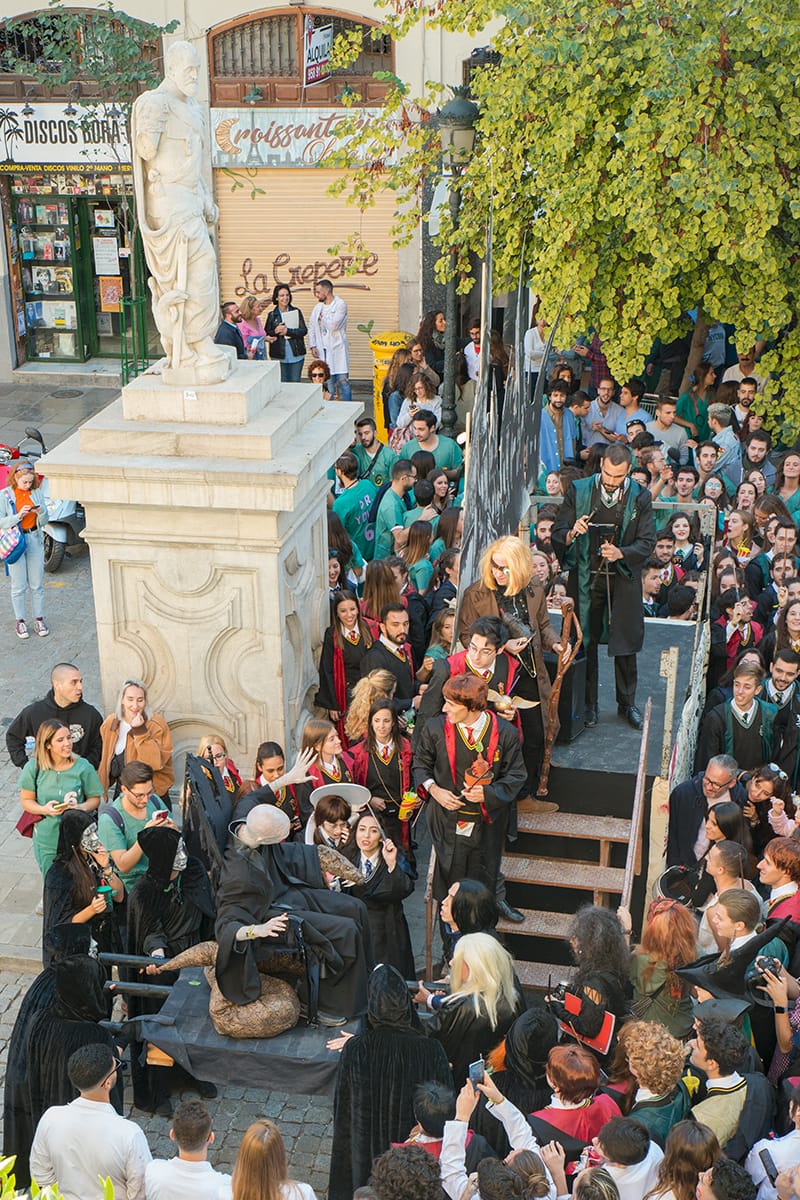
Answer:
x=379 y=684
x=134 y=734
x=482 y=1005
x=212 y=746
x=250 y=326
x=505 y=589
x=260 y=1171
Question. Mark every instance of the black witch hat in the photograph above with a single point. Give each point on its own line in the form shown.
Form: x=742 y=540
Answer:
x=728 y=978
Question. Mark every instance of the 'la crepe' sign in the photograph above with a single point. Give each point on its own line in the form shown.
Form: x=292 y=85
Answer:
x=278 y=137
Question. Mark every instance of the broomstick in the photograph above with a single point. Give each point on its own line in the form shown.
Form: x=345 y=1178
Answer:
x=568 y=615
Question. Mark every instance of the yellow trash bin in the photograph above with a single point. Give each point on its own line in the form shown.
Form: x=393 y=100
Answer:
x=383 y=347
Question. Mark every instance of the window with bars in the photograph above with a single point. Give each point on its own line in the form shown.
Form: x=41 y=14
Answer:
x=42 y=42
x=267 y=51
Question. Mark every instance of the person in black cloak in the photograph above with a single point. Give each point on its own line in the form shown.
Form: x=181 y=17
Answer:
x=264 y=879
x=56 y=1032
x=169 y=909
x=519 y=1070
x=386 y=883
x=82 y=886
x=18 y=1125
x=378 y=1073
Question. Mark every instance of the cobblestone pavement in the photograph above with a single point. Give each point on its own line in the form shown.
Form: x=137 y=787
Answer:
x=305 y=1122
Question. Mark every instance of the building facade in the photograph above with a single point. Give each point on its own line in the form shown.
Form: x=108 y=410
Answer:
x=70 y=256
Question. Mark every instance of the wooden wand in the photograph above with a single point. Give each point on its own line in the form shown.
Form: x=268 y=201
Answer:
x=568 y=615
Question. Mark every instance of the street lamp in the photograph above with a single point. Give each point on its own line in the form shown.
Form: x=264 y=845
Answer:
x=457 y=132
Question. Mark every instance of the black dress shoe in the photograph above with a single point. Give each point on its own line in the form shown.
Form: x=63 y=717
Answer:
x=509 y=913
x=590 y=719
x=208 y=1091
x=631 y=714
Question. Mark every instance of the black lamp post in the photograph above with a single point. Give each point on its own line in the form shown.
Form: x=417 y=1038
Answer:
x=457 y=131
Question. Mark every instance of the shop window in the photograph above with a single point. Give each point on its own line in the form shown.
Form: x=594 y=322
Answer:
x=37 y=39
x=266 y=52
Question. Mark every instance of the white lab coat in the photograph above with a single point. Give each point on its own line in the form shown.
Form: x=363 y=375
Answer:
x=327 y=335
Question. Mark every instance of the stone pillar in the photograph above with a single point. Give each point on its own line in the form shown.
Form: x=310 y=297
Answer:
x=206 y=522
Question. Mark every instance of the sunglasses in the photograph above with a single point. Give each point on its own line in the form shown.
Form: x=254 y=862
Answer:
x=119 y=1065
x=496 y=567
x=317 y=374
x=775 y=769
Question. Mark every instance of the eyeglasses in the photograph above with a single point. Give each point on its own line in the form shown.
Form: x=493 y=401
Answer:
x=119 y=1065
x=718 y=784
x=497 y=567
x=218 y=757
x=476 y=650
x=775 y=769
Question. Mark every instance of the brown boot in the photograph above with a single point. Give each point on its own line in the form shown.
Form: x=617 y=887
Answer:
x=532 y=804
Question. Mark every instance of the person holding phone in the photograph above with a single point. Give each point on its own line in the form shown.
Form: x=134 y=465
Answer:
x=53 y=781
x=136 y=808
x=22 y=503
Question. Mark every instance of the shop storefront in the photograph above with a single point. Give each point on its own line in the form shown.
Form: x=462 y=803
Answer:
x=67 y=206
x=278 y=224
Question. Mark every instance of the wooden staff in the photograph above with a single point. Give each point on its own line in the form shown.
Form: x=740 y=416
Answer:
x=568 y=615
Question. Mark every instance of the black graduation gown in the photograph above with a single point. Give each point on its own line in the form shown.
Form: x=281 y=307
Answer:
x=262 y=883
x=378 y=1072
x=383 y=894
x=466 y=1035
x=55 y=1033
x=751 y=747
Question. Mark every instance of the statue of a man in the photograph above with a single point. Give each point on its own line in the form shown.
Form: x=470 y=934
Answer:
x=176 y=212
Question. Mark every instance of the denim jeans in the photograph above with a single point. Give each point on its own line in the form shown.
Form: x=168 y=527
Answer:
x=394 y=404
x=292 y=372
x=345 y=391
x=28 y=572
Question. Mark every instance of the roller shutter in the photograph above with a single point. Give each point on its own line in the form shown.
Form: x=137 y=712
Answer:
x=287 y=234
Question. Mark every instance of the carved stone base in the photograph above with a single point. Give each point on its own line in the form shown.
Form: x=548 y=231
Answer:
x=208 y=543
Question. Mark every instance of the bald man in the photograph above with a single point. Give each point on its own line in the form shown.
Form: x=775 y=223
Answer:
x=267 y=880
x=64 y=702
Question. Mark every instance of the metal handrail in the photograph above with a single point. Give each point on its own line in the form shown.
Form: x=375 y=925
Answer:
x=633 y=861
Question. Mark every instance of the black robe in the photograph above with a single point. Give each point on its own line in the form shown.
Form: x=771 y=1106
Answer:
x=56 y=1032
x=169 y=915
x=352 y=655
x=383 y=894
x=257 y=884
x=378 y=1072
x=466 y=1035
x=523 y=1080
x=380 y=656
x=18 y=1123
x=61 y=904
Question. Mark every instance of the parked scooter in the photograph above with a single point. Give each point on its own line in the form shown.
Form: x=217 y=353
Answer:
x=11 y=454
x=67 y=522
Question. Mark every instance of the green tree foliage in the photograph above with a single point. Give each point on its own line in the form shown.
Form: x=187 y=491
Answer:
x=648 y=148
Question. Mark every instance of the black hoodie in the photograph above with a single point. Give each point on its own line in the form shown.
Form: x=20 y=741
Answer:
x=84 y=722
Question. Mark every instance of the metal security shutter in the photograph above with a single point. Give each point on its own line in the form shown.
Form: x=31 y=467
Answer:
x=286 y=236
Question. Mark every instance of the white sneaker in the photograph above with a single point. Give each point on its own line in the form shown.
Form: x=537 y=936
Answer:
x=40 y=627
x=22 y=631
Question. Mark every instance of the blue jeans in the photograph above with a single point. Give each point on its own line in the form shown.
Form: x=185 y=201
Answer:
x=345 y=391
x=292 y=372
x=394 y=404
x=28 y=573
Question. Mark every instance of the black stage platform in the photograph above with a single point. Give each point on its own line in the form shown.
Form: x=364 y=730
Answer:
x=296 y=1061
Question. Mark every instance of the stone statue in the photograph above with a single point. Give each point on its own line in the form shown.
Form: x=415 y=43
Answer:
x=176 y=212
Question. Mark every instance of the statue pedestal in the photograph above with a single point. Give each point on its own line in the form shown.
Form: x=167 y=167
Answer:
x=206 y=522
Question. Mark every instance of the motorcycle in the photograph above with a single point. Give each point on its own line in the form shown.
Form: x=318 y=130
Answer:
x=66 y=518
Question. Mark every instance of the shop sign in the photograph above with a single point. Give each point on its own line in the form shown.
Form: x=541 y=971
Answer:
x=47 y=137
x=280 y=137
x=317 y=48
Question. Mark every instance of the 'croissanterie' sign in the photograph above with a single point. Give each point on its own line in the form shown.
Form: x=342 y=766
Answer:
x=278 y=137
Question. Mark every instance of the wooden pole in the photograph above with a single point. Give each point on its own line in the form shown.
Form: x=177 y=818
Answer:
x=568 y=616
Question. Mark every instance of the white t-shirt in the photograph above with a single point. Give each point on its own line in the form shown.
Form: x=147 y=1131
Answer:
x=291 y=1190
x=179 y=1179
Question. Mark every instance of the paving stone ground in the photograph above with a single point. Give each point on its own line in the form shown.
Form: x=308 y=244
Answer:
x=305 y=1121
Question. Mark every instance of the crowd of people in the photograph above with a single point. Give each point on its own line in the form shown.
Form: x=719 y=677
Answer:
x=661 y=1064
